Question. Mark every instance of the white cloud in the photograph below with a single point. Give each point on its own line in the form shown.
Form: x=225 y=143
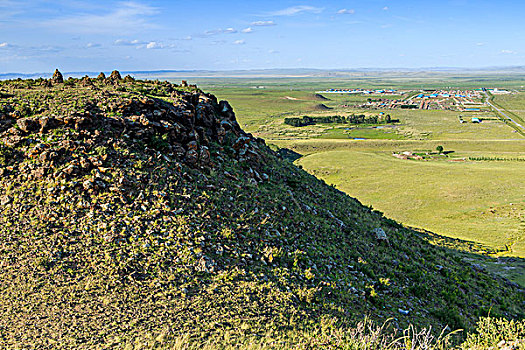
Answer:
x=122 y=42
x=239 y=42
x=93 y=45
x=220 y=31
x=154 y=45
x=273 y=51
x=294 y=10
x=346 y=11
x=127 y=17
x=247 y=30
x=508 y=52
x=4 y=45
x=263 y=23
x=480 y=44
x=142 y=44
x=386 y=8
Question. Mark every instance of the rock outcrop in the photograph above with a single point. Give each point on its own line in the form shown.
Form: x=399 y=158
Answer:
x=115 y=75
x=57 y=77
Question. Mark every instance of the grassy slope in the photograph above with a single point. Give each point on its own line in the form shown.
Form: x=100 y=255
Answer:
x=156 y=246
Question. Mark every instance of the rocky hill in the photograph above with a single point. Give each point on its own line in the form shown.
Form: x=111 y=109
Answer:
x=141 y=207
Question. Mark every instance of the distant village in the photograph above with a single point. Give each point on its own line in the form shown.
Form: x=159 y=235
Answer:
x=452 y=100
x=361 y=91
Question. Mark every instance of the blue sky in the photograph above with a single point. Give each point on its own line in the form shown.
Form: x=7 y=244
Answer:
x=77 y=35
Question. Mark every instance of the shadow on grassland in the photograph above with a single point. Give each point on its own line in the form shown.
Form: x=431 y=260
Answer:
x=481 y=257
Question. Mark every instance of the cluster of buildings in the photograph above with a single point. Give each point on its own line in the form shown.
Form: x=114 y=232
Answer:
x=462 y=100
x=361 y=91
x=454 y=100
x=497 y=91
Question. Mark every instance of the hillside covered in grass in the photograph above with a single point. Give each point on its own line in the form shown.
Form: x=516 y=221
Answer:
x=137 y=208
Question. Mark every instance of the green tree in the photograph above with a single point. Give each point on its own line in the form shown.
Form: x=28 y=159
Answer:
x=439 y=149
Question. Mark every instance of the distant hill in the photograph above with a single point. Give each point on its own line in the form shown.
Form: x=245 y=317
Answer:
x=320 y=107
x=319 y=97
x=293 y=73
x=133 y=209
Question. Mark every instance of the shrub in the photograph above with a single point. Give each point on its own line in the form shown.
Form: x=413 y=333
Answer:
x=493 y=331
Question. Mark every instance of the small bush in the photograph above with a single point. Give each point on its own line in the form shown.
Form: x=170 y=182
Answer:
x=493 y=331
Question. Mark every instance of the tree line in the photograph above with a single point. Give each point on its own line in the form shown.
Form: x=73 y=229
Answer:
x=351 y=119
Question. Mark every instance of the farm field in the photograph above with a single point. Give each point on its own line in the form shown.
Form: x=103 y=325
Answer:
x=515 y=104
x=473 y=193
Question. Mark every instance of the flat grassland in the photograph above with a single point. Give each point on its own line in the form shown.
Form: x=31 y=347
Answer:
x=514 y=104
x=474 y=193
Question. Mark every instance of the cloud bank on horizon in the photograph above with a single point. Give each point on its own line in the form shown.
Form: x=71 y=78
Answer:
x=161 y=34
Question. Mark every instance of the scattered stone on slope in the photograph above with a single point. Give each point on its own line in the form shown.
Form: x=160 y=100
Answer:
x=27 y=124
x=380 y=234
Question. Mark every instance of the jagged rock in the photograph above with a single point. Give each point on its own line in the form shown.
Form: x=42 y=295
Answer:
x=57 y=77
x=226 y=110
x=86 y=81
x=205 y=264
x=27 y=124
x=403 y=312
x=101 y=76
x=204 y=156
x=115 y=75
x=192 y=156
x=129 y=79
x=5 y=200
x=193 y=145
x=47 y=123
x=380 y=234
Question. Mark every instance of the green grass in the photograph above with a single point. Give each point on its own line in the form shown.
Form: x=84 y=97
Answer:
x=434 y=195
x=515 y=104
x=360 y=132
x=365 y=336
